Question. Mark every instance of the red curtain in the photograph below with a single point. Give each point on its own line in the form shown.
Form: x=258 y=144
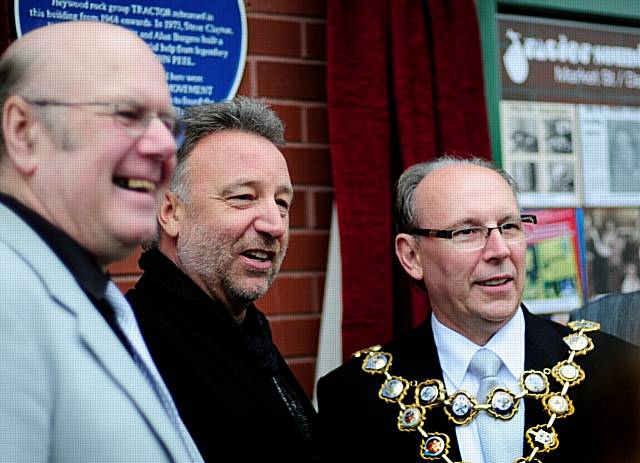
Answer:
x=405 y=85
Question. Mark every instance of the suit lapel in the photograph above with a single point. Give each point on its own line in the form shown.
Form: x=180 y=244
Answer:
x=95 y=333
x=544 y=347
x=418 y=360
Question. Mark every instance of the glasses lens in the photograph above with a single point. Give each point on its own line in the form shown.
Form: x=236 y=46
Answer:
x=469 y=238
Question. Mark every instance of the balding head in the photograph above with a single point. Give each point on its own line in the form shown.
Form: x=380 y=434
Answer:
x=86 y=125
x=66 y=60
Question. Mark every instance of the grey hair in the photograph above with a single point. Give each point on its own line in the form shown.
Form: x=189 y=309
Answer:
x=405 y=212
x=243 y=114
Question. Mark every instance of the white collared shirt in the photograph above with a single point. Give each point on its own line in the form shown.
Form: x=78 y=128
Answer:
x=455 y=352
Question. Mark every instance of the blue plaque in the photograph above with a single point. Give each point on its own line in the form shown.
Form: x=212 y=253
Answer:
x=203 y=45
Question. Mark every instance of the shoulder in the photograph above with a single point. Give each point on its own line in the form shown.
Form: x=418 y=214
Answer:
x=626 y=301
x=403 y=349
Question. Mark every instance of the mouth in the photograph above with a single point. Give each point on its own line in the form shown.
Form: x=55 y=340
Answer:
x=259 y=255
x=496 y=281
x=135 y=184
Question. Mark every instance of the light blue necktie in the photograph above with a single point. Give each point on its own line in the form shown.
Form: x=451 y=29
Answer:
x=127 y=322
x=501 y=441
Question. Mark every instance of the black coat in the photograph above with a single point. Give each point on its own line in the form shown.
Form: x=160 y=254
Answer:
x=220 y=373
x=353 y=417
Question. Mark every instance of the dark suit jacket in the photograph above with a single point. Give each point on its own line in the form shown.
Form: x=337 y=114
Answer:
x=354 y=418
x=619 y=315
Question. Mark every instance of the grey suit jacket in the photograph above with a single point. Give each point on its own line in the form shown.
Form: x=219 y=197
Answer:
x=69 y=391
x=619 y=315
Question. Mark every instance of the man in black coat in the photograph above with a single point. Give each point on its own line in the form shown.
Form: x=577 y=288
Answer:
x=222 y=236
x=482 y=380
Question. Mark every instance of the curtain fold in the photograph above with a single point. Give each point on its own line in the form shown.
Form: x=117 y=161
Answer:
x=405 y=85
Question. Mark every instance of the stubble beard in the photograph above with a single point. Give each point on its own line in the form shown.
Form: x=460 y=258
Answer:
x=211 y=257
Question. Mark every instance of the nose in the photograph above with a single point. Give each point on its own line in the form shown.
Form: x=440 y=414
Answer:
x=272 y=220
x=496 y=247
x=157 y=140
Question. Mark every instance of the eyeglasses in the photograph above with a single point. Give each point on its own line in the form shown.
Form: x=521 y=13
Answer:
x=474 y=238
x=133 y=118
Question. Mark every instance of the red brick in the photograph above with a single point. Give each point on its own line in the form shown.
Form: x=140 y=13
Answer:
x=292 y=118
x=320 y=281
x=309 y=165
x=273 y=37
x=305 y=372
x=316 y=8
x=317 y=125
x=322 y=205
x=289 y=294
x=298 y=211
x=246 y=84
x=307 y=251
x=316 y=40
x=296 y=336
x=128 y=266
x=303 y=81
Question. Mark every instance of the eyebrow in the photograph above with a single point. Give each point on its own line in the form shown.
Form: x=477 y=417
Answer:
x=171 y=112
x=473 y=222
x=227 y=189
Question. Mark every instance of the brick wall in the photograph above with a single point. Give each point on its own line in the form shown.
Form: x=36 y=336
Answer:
x=286 y=65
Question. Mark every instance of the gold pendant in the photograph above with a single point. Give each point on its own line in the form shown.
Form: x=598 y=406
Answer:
x=461 y=408
x=434 y=446
x=568 y=372
x=579 y=343
x=503 y=403
x=558 y=404
x=430 y=393
x=535 y=383
x=584 y=325
x=542 y=437
x=377 y=362
x=411 y=417
x=394 y=389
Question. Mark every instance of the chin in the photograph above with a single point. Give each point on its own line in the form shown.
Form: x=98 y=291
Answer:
x=501 y=312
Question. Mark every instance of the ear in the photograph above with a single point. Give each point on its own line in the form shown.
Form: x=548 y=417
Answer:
x=170 y=214
x=20 y=127
x=407 y=252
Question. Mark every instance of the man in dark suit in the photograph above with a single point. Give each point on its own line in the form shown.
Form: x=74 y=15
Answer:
x=223 y=234
x=618 y=314
x=87 y=148
x=482 y=380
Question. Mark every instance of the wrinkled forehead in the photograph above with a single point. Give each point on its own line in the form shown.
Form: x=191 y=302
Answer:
x=233 y=157
x=460 y=193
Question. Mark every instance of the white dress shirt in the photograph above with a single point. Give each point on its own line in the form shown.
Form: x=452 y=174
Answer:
x=455 y=352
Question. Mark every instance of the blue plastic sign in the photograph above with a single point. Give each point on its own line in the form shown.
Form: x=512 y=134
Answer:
x=202 y=44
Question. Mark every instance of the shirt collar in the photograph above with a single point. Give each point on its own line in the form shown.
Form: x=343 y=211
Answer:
x=455 y=351
x=82 y=265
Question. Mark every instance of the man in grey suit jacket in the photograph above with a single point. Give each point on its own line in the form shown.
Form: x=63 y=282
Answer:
x=619 y=315
x=88 y=146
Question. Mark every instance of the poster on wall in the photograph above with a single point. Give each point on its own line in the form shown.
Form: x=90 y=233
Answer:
x=203 y=45
x=554 y=279
x=570 y=136
x=611 y=155
x=576 y=86
x=540 y=150
x=612 y=245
